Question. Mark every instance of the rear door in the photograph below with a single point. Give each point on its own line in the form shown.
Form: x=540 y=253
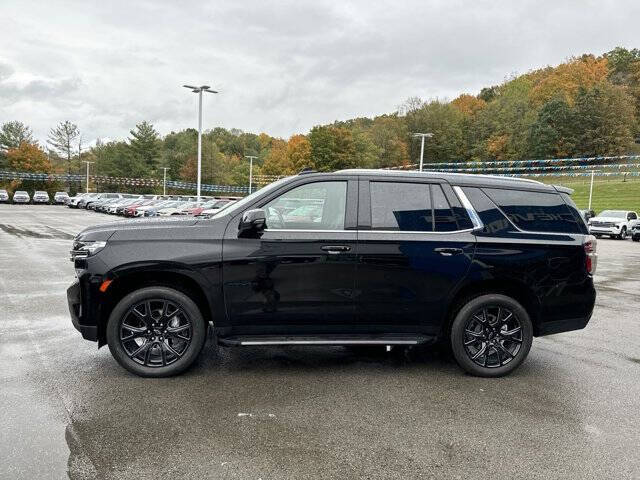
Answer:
x=415 y=244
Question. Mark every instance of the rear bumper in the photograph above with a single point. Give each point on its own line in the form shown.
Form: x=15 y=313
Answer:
x=74 y=299
x=559 y=326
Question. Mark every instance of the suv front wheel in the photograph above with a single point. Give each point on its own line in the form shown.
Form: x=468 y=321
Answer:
x=491 y=335
x=156 y=332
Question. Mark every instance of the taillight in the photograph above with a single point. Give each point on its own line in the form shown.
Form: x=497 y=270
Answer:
x=591 y=257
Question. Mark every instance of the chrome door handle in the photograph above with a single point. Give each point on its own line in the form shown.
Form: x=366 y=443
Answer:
x=447 y=252
x=335 y=249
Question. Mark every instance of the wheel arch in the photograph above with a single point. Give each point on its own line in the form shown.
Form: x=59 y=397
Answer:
x=129 y=281
x=515 y=289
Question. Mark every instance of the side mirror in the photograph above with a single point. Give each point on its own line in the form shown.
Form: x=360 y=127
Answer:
x=252 y=224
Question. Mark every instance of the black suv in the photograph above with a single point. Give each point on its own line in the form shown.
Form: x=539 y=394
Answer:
x=355 y=257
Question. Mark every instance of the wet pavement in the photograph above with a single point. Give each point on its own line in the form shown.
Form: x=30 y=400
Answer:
x=570 y=411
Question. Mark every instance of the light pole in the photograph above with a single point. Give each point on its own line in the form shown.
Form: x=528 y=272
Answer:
x=250 y=157
x=591 y=188
x=199 y=90
x=423 y=135
x=164 y=181
x=85 y=161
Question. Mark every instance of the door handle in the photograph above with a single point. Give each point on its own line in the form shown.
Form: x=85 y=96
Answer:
x=335 y=249
x=447 y=252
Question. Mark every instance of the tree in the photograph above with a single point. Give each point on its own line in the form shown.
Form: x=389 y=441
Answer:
x=332 y=148
x=62 y=139
x=604 y=116
x=28 y=157
x=12 y=134
x=145 y=145
x=554 y=133
x=299 y=153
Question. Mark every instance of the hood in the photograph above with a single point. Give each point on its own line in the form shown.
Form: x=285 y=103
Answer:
x=145 y=226
x=608 y=219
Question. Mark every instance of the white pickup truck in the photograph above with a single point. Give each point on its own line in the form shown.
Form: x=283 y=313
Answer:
x=615 y=223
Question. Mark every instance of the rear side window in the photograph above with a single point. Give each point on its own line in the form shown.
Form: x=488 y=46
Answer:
x=535 y=211
x=442 y=214
x=410 y=207
x=401 y=206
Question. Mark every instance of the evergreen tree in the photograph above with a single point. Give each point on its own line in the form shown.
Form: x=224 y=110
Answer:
x=144 y=145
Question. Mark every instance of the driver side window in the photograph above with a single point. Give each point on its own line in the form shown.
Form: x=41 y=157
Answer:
x=314 y=206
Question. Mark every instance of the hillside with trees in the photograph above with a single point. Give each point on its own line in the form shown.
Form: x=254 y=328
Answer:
x=586 y=106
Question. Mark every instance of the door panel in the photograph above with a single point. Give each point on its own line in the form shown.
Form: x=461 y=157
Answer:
x=293 y=280
x=404 y=282
x=412 y=253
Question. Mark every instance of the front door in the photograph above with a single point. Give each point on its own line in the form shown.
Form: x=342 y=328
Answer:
x=299 y=276
x=412 y=253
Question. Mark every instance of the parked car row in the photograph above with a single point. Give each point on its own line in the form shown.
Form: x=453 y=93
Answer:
x=133 y=205
x=39 y=196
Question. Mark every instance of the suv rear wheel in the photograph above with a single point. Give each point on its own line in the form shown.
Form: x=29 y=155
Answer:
x=156 y=332
x=491 y=335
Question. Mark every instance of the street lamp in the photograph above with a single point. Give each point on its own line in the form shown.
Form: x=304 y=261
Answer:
x=85 y=161
x=250 y=157
x=199 y=90
x=423 y=135
x=591 y=188
x=164 y=181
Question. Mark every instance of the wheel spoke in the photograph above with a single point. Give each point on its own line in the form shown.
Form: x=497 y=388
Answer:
x=163 y=353
x=140 y=349
x=510 y=333
x=474 y=334
x=506 y=351
x=178 y=329
x=147 y=354
x=480 y=352
x=134 y=329
x=142 y=317
x=171 y=349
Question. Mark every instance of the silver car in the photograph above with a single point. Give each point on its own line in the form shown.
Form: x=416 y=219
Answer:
x=21 y=197
x=4 y=196
x=40 y=196
x=61 y=198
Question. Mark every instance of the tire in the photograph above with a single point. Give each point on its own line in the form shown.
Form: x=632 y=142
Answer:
x=174 y=332
x=635 y=239
x=623 y=234
x=500 y=326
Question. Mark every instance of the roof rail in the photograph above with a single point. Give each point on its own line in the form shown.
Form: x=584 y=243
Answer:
x=306 y=170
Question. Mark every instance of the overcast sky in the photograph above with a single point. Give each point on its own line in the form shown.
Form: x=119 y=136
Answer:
x=282 y=67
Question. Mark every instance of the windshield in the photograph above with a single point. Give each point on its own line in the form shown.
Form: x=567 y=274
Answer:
x=240 y=204
x=613 y=213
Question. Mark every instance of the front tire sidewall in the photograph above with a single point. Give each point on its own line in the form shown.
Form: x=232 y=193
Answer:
x=623 y=234
x=179 y=298
x=459 y=324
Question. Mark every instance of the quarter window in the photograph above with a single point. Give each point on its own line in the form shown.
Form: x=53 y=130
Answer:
x=442 y=214
x=535 y=211
x=314 y=206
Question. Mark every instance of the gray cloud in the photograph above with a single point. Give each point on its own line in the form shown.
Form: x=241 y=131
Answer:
x=282 y=67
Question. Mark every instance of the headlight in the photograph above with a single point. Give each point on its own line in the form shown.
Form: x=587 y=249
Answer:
x=86 y=248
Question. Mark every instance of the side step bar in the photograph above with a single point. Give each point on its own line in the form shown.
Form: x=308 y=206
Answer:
x=382 y=339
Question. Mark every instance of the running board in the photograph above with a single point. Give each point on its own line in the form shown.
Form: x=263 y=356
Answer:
x=382 y=339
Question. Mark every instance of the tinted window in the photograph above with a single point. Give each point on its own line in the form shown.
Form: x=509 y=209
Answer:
x=314 y=206
x=535 y=211
x=633 y=216
x=401 y=206
x=494 y=221
x=444 y=218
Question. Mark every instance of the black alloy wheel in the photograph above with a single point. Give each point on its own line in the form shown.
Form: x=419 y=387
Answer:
x=156 y=332
x=491 y=335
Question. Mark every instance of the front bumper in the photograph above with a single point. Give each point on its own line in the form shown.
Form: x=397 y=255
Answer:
x=74 y=300
x=40 y=200
x=604 y=230
x=20 y=200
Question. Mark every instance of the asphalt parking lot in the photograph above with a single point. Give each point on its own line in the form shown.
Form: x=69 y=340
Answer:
x=570 y=411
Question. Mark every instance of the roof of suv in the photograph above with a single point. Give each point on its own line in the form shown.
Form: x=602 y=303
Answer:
x=456 y=178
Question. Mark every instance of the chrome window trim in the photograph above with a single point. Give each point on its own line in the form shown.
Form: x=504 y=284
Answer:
x=466 y=203
x=289 y=230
